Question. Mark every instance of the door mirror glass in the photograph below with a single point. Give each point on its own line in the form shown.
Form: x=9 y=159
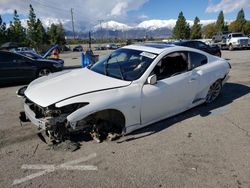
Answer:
x=152 y=79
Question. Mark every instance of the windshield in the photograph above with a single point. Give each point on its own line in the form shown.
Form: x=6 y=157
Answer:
x=238 y=35
x=31 y=55
x=125 y=64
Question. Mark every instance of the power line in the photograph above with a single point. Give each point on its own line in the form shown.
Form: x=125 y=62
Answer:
x=49 y=6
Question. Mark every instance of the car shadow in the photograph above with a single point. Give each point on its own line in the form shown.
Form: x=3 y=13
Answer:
x=229 y=93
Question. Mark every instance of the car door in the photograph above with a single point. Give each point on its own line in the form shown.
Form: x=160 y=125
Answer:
x=26 y=69
x=7 y=68
x=15 y=67
x=174 y=91
x=202 y=46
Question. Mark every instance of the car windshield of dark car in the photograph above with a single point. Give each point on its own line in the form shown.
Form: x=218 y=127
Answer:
x=125 y=64
x=31 y=55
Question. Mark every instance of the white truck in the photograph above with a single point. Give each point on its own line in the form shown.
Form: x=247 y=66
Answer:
x=231 y=41
x=237 y=41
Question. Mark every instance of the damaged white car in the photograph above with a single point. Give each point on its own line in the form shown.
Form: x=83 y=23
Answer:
x=131 y=88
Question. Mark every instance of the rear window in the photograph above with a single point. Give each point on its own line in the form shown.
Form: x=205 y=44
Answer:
x=197 y=59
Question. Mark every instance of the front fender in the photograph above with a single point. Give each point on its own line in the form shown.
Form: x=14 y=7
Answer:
x=126 y=100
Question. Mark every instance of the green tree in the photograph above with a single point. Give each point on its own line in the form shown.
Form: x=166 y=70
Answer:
x=56 y=34
x=220 y=24
x=42 y=38
x=247 y=28
x=209 y=30
x=3 y=36
x=32 y=28
x=238 y=24
x=196 y=29
x=17 y=30
x=182 y=28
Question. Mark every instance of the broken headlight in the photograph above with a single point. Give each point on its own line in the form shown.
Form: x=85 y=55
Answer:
x=20 y=92
x=53 y=111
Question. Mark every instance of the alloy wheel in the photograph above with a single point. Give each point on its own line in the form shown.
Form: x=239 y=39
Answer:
x=43 y=72
x=213 y=92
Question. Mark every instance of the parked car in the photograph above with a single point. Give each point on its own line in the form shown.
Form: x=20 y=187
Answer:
x=78 y=48
x=131 y=88
x=214 y=50
x=16 y=67
x=112 y=46
x=220 y=36
x=36 y=56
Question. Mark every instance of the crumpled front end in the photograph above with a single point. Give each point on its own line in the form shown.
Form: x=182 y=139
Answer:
x=104 y=124
x=51 y=119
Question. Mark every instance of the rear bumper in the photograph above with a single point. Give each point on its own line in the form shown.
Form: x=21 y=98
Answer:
x=32 y=117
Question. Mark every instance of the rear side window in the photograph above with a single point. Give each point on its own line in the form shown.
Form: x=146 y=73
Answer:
x=197 y=59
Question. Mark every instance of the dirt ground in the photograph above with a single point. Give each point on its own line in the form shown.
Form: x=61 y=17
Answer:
x=208 y=146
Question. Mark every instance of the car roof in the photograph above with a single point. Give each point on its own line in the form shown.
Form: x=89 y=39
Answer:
x=155 y=48
x=165 y=47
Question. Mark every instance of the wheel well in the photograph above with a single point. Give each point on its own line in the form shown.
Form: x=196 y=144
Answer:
x=41 y=68
x=113 y=117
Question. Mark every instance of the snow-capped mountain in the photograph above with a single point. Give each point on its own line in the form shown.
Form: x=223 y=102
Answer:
x=112 y=25
x=148 y=24
x=114 y=29
x=156 y=24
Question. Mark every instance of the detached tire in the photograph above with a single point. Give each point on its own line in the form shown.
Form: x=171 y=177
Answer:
x=43 y=72
x=213 y=92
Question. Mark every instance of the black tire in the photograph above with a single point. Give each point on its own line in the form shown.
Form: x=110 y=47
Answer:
x=43 y=72
x=213 y=91
x=231 y=48
x=218 y=54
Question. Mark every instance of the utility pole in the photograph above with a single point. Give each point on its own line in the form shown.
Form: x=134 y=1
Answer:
x=100 y=22
x=90 y=40
x=73 y=26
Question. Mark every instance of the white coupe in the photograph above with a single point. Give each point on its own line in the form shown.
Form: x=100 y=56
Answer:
x=131 y=88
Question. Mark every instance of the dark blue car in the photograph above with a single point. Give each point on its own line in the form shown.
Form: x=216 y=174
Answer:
x=15 y=67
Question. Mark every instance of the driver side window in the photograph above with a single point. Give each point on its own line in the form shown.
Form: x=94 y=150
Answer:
x=171 y=65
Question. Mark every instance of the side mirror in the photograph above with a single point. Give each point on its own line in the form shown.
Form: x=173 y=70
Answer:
x=152 y=79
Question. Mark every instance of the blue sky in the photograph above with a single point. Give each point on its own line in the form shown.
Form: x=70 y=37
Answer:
x=160 y=9
x=126 y=11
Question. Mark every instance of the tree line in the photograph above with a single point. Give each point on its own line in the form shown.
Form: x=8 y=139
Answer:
x=35 y=35
x=182 y=29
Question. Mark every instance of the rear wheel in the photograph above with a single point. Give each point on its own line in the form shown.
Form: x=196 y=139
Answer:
x=231 y=48
x=213 y=91
x=43 y=72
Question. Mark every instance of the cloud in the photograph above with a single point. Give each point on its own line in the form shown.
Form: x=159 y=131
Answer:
x=86 y=12
x=119 y=9
x=227 y=6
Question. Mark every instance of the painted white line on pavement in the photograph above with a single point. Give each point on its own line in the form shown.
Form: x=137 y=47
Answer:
x=70 y=165
x=31 y=176
x=37 y=167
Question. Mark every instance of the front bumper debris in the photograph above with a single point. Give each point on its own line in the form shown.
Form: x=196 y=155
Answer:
x=32 y=117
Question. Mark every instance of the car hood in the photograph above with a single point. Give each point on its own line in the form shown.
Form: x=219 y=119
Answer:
x=41 y=60
x=56 y=87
